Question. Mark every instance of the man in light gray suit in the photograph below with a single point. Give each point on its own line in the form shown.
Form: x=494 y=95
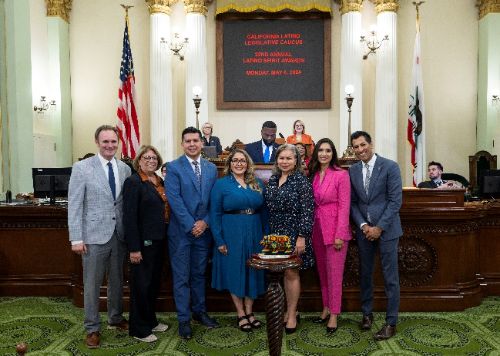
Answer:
x=96 y=230
x=376 y=197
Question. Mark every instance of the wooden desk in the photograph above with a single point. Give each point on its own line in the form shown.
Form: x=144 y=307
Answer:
x=448 y=259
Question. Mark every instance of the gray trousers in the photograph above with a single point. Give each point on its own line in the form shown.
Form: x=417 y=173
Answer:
x=97 y=262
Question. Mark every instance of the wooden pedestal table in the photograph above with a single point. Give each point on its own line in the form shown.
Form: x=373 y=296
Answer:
x=275 y=297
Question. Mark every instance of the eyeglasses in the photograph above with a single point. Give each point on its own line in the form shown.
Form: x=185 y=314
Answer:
x=299 y=125
x=241 y=161
x=150 y=158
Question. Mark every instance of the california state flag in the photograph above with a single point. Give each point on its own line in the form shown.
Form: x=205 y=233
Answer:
x=416 y=125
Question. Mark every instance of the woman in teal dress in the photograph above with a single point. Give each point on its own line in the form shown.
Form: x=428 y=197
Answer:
x=236 y=224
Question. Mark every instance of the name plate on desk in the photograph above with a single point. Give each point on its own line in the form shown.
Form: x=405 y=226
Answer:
x=432 y=198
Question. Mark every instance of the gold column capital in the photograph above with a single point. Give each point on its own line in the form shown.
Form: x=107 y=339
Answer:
x=350 y=6
x=160 y=6
x=487 y=7
x=58 y=8
x=386 y=5
x=199 y=6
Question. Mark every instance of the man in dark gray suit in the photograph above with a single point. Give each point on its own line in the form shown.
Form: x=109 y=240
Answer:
x=376 y=197
x=96 y=230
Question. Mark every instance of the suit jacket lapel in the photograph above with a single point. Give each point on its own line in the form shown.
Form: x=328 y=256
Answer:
x=101 y=176
x=375 y=174
x=358 y=178
x=189 y=171
x=327 y=181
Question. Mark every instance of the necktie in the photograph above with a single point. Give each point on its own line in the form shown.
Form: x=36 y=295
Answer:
x=197 y=172
x=439 y=182
x=267 y=154
x=111 y=179
x=367 y=178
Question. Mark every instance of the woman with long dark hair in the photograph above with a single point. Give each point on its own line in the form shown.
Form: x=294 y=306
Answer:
x=331 y=229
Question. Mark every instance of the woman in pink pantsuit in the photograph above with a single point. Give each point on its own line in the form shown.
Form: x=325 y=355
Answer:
x=331 y=230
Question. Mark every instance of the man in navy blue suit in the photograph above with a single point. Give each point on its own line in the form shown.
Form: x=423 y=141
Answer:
x=188 y=184
x=376 y=197
x=264 y=150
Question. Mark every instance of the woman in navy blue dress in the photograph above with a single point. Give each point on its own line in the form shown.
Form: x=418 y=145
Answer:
x=290 y=203
x=236 y=224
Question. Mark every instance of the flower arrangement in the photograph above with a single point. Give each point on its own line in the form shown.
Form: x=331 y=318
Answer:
x=276 y=245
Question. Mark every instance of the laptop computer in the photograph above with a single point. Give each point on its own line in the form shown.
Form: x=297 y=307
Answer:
x=210 y=151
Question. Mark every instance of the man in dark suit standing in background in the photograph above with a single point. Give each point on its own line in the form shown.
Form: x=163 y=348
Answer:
x=188 y=184
x=376 y=197
x=264 y=150
x=96 y=230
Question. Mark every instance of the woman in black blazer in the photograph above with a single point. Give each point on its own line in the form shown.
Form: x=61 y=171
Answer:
x=145 y=216
x=210 y=140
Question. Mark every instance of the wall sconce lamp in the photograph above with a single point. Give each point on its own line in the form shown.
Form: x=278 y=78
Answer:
x=197 y=101
x=177 y=45
x=349 y=152
x=372 y=42
x=43 y=105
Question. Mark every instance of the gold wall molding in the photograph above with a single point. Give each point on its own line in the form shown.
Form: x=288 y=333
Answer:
x=386 y=5
x=160 y=6
x=59 y=8
x=350 y=6
x=487 y=7
x=197 y=6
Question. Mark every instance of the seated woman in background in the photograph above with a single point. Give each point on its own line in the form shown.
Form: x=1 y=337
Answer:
x=299 y=134
x=145 y=217
x=304 y=157
x=290 y=203
x=331 y=230
x=236 y=224
x=208 y=139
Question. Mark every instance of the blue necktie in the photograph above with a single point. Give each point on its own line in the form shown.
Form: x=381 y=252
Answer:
x=197 y=172
x=111 y=179
x=267 y=154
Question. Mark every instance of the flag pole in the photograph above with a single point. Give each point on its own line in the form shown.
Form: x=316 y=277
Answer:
x=126 y=7
x=417 y=5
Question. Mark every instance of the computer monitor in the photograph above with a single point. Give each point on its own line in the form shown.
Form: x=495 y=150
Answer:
x=51 y=182
x=210 y=151
x=490 y=184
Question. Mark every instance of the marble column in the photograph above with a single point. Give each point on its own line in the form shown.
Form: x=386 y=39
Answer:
x=59 y=78
x=196 y=59
x=351 y=70
x=160 y=61
x=488 y=77
x=386 y=85
x=17 y=118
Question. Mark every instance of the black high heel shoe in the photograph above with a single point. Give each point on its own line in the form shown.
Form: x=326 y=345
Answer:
x=330 y=331
x=320 y=320
x=289 y=331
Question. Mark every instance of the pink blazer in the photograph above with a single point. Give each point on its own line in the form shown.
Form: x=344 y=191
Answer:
x=332 y=200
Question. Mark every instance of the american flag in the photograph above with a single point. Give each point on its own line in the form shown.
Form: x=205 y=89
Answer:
x=128 y=124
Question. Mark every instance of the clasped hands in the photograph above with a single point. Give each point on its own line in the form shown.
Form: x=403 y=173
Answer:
x=199 y=228
x=372 y=233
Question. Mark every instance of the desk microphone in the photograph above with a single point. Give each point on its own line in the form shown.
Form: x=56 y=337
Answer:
x=281 y=135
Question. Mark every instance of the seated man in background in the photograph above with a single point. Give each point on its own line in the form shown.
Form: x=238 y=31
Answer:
x=264 y=150
x=435 y=170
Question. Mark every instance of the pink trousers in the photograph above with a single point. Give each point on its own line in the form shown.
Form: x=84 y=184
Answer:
x=330 y=263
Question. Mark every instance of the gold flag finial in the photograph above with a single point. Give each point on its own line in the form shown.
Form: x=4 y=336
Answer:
x=417 y=5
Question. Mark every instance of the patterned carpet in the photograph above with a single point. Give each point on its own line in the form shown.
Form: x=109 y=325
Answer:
x=53 y=326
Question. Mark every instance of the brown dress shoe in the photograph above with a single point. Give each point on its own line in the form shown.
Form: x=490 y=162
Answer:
x=385 y=333
x=93 y=340
x=122 y=325
x=366 y=322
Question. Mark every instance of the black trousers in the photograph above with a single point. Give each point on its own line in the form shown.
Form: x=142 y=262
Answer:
x=145 y=279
